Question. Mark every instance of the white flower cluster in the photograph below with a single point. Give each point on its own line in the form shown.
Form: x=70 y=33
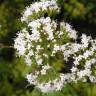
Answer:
x=44 y=47
x=40 y=7
x=68 y=28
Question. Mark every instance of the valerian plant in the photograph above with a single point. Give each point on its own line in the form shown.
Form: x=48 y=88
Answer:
x=50 y=48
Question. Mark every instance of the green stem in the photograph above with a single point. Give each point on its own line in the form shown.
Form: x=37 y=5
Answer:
x=5 y=46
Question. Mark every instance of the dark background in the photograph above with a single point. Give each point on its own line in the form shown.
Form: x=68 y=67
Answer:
x=81 y=14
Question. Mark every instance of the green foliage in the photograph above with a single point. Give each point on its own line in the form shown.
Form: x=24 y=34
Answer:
x=12 y=70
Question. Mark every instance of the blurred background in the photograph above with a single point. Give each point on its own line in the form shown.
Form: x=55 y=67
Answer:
x=81 y=14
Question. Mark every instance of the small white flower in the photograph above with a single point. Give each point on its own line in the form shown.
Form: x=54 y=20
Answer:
x=73 y=69
x=39 y=61
x=31 y=78
x=92 y=79
x=43 y=72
